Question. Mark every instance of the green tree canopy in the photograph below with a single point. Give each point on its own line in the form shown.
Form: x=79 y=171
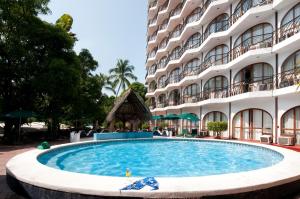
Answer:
x=40 y=70
x=139 y=88
x=65 y=22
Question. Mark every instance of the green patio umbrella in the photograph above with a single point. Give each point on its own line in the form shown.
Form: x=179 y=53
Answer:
x=171 y=116
x=20 y=114
x=157 y=117
x=189 y=116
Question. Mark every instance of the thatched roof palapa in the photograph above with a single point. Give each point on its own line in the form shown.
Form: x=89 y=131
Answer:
x=130 y=106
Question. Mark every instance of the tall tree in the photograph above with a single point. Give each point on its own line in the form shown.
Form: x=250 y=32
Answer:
x=139 y=88
x=122 y=74
x=36 y=73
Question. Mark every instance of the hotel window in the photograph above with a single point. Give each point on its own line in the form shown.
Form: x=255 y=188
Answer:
x=291 y=123
x=162 y=63
x=191 y=93
x=164 y=24
x=175 y=53
x=152 y=103
x=177 y=31
x=152 y=86
x=215 y=87
x=193 y=41
x=244 y=5
x=250 y=124
x=174 y=98
x=220 y=23
x=217 y=56
x=254 y=77
x=161 y=101
x=177 y=9
x=194 y=16
x=291 y=16
x=163 y=43
x=174 y=76
x=162 y=81
x=292 y=63
x=191 y=66
x=258 y=36
x=152 y=69
x=214 y=116
x=290 y=70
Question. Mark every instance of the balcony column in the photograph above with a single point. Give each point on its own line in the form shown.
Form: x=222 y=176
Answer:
x=181 y=123
x=230 y=82
x=201 y=89
x=200 y=119
x=276 y=71
x=230 y=49
x=275 y=137
x=276 y=27
x=229 y=122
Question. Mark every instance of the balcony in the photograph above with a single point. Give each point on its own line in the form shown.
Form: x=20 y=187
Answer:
x=222 y=25
x=153 y=20
x=191 y=98
x=177 y=10
x=290 y=77
x=216 y=93
x=164 y=6
x=152 y=4
x=284 y=79
x=253 y=43
x=289 y=29
x=258 y=84
x=161 y=104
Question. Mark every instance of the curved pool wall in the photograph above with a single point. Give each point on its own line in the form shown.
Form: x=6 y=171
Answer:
x=29 y=177
x=122 y=135
x=160 y=158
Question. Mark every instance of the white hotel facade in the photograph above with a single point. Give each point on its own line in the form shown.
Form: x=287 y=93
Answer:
x=232 y=60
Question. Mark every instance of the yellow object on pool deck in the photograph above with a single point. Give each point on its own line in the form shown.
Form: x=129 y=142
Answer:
x=128 y=173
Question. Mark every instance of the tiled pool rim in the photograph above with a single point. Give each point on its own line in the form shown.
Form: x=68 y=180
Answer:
x=26 y=169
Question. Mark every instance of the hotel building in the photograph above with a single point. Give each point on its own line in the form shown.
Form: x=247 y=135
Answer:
x=226 y=60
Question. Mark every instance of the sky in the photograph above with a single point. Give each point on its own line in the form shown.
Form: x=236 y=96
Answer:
x=109 y=29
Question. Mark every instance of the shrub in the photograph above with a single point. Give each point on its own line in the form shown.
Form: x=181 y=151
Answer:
x=163 y=125
x=145 y=125
x=217 y=127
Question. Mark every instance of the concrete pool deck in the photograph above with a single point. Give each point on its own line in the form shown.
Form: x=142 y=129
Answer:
x=40 y=176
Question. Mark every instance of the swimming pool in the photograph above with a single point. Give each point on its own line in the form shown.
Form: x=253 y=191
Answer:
x=183 y=168
x=160 y=158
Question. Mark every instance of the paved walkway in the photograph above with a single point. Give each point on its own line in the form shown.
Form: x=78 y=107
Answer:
x=6 y=153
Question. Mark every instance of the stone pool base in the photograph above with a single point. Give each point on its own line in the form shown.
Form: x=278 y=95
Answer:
x=29 y=191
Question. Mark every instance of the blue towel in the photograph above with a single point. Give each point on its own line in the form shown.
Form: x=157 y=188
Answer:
x=137 y=185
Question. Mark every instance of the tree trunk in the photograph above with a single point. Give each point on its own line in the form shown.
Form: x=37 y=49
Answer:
x=8 y=132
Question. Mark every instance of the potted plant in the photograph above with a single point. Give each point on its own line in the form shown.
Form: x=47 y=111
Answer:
x=217 y=128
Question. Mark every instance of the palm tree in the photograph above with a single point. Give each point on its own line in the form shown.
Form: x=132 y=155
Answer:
x=111 y=86
x=121 y=74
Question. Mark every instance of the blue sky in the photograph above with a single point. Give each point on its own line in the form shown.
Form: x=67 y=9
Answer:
x=110 y=29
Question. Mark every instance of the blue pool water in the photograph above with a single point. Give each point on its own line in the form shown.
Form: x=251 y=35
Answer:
x=180 y=158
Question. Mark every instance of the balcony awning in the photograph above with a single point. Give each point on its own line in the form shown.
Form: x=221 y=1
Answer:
x=171 y=116
x=189 y=116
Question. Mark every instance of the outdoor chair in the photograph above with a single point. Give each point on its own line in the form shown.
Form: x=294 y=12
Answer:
x=184 y=133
